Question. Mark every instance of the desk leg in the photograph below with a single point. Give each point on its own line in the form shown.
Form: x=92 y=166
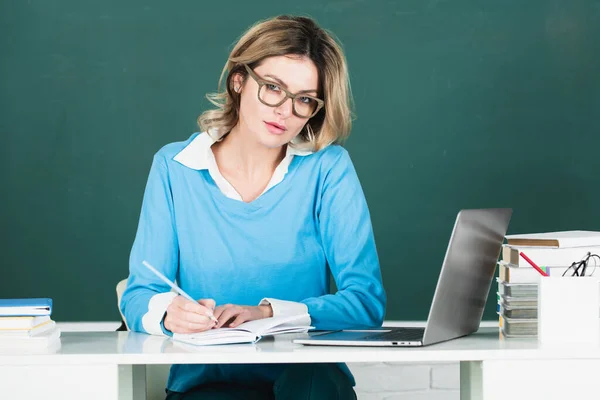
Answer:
x=471 y=381
x=132 y=382
x=529 y=379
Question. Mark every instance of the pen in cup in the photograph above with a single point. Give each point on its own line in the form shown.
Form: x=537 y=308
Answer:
x=175 y=287
x=534 y=265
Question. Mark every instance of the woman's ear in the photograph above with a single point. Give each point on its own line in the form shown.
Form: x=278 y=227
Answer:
x=238 y=83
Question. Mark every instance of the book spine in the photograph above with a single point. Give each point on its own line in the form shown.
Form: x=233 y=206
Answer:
x=562 y=242
x=525 y=275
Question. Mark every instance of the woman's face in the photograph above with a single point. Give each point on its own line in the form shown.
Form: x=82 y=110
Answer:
x=276 y=126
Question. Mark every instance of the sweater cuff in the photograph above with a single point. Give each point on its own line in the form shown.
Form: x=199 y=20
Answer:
x=284 y=308
x=152 y=321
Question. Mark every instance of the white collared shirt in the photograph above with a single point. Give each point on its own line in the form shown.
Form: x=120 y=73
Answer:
x=198 y=155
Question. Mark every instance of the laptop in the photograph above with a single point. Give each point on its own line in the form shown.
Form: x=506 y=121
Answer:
x=461 y=293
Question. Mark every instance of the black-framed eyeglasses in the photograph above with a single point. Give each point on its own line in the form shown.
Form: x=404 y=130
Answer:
x=273 y=95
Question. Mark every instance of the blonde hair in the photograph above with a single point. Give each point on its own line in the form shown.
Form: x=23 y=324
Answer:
x=279 y=36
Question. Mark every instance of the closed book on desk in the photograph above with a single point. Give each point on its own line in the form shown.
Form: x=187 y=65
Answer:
x=25 y=307
x=556 y=239
x=22 y=322
x=248 y=332
x=27 y=332
x=513 y=274
x=42 y=340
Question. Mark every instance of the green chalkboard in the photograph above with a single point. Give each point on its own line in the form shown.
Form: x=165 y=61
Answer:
x=459 y=104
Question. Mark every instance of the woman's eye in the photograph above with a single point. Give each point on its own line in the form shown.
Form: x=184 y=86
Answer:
x=273 y=87
x=305 y=100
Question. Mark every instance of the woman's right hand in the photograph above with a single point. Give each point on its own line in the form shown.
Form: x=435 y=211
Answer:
x=185 y=316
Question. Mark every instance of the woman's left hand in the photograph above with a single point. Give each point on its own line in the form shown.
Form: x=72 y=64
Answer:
x=231 y=315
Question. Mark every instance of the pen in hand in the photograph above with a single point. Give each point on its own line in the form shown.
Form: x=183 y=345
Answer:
x=175 y=287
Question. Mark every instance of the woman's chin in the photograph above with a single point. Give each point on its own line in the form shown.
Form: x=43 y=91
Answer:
x=273 y=141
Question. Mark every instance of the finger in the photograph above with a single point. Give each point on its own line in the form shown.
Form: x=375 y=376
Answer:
x=241 y=318
x=226 y=316
x=218 y=311
x=189 y=327
x=182 y=305
x=208 y=303
x=192 y=326
x=179 y=301
x=177 y=315
x=192 y=306
x=189 y=320
x=189 y=316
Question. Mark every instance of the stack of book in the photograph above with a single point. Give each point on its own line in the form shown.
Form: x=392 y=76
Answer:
x=27 y=323
x=554 y=253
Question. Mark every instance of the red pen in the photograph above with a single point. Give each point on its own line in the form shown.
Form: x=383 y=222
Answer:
x=541 y=271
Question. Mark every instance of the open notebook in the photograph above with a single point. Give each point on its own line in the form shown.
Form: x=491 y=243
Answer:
x=248 y=332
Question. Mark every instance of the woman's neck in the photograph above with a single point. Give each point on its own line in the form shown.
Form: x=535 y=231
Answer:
x=237 y=154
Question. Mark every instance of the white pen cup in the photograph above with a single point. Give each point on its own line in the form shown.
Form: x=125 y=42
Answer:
x=568 y=310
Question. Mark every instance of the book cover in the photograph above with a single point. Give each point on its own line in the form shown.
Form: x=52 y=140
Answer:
x=556 y=239
x=25 y=307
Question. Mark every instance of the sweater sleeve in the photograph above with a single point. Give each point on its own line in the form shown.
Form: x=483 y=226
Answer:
x=286 y=308
x=349 y=245
x=146 y=298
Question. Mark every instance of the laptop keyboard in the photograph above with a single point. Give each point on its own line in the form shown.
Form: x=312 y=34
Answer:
x=398 y=334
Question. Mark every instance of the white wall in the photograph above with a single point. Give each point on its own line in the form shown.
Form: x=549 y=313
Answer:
x=399 y=381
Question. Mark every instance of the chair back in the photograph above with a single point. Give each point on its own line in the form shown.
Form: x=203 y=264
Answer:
x=120 y=289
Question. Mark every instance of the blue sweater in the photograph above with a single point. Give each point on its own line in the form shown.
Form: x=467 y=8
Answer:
x=282 y=245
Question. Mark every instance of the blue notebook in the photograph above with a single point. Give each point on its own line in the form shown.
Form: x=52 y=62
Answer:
x=25 y=307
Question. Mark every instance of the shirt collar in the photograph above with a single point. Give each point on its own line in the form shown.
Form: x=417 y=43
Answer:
x=197 y=154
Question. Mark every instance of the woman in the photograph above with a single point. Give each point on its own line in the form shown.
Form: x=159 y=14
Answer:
x=253 y=214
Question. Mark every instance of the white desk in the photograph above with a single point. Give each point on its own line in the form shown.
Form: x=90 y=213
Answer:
x=111 y=365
